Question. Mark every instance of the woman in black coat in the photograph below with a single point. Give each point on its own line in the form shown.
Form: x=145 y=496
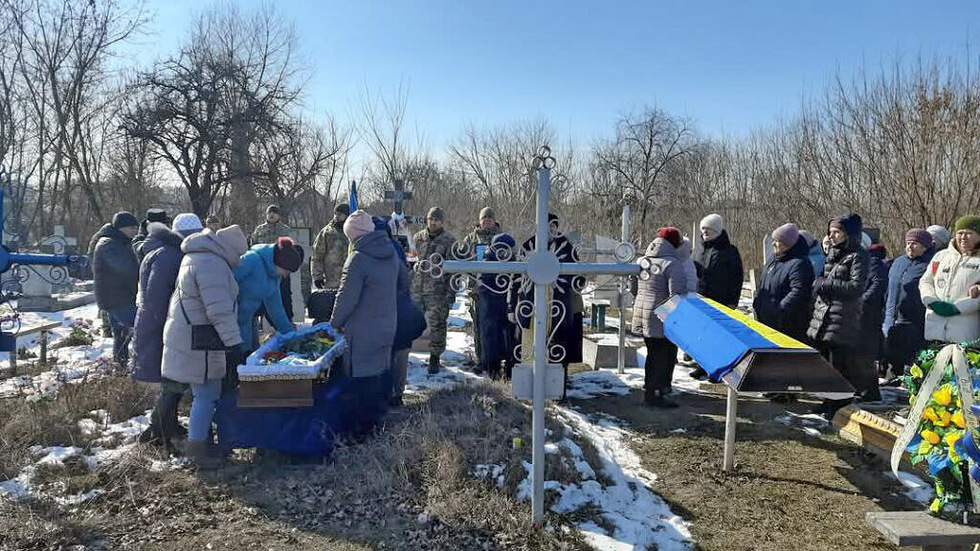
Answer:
x=782 y=298
x=835 y=327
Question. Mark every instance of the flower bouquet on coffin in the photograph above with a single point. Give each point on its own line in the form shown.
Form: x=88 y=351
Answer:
x=306 y=353
x=944 y=384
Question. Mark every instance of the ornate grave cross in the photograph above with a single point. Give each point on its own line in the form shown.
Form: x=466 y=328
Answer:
x=540 y=268
x=398 y=195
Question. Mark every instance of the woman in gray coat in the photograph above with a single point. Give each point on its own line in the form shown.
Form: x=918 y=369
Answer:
x=205 y=294
x=666 y=280
x=366 y=312
x=365 y=305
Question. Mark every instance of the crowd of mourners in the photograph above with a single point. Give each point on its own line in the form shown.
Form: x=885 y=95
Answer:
x=185 y=299
x=868 y=315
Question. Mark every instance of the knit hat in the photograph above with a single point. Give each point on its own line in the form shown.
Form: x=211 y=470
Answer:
x=919 y=236
x=503 y=239
x=552 y=218
x=287 y=255
x=671 y=235
x=808 y=236
x=187 y=222
x=156 y=215
x=714 y=222
x=940 y=235
x=342 y=208
x=272 y=208
x=359 y=224
x=487 y=212
x=787 y=234
x=124 y=219
x=878 y=250
x=968 y=223
x=434 y=213
x=212 y=219
x=851 y=224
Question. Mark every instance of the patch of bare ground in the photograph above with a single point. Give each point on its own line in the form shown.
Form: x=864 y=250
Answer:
x=790 y=490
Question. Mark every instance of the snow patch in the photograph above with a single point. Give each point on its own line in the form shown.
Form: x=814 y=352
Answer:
x=914 y=487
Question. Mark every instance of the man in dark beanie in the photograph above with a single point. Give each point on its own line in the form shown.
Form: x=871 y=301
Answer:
x=433 y=294
x=476 y=244
x=116 y=274
x=835 y=327
x=330 y=251
x=258 y=275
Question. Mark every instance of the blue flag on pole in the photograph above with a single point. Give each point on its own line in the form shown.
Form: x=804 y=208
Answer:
x=353 y=196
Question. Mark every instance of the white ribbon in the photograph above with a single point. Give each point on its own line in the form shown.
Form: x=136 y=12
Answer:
x=949 y=354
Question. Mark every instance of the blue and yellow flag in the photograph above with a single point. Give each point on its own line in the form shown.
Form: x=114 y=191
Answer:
x=718 y=337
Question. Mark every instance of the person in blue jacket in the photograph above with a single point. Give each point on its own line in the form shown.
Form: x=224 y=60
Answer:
x=904 y=325
x=258 y=277
x=816 y=254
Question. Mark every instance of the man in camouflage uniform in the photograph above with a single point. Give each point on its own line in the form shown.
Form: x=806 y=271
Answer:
x=270 y=232
x=434 y=294
x=481 y=235
x=330 y=251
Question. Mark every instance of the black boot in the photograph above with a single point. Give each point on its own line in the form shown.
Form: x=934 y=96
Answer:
x=659 y=399
x=169 y=427
x=433 y=364
x=699 y=373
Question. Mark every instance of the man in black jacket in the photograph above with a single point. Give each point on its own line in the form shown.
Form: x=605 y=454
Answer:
x=116 y=272
x=719 y=267
x=835 y=327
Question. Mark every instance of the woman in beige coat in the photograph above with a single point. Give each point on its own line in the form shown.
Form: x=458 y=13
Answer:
x=206 y=294
x=951 y=308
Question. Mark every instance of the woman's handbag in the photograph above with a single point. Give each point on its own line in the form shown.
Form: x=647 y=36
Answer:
x=203 y=336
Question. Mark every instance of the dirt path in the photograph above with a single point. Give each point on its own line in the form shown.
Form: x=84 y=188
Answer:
x=790 y=490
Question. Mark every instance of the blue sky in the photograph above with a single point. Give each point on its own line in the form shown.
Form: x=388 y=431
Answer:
x=730 y=65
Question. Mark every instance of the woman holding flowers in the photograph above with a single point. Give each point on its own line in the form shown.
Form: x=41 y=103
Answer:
x=948 y=291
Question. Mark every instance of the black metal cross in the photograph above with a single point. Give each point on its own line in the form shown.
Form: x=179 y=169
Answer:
x=398 y=195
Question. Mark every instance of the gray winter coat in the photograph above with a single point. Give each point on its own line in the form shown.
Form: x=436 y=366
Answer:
x=207 y=289
x=666 y=280
x=365 y=309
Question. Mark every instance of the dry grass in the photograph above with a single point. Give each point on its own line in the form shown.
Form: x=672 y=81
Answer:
x=53 y=421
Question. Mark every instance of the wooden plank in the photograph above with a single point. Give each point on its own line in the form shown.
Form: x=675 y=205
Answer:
x=872 y=432
x=38 y=328
x=275 y=394
x=919 y=528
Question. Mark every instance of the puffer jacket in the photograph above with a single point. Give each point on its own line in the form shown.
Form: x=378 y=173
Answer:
x=949 y=277
x=666 y=280
x=258 y=286
x=158 y=277
x=837 y=295
x=366 y=304
x=873 y=302
x=903 y=305
x=721 y=271
x=207 y=291
x=116 y=270
x=782 y=300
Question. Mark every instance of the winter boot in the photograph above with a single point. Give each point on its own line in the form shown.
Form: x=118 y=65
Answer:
x=659 y=399
x=433 y=364
x=203 y=453
x=170 y=429
x=699 y=373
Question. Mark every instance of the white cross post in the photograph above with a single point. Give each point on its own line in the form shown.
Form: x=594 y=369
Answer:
x=542 y=268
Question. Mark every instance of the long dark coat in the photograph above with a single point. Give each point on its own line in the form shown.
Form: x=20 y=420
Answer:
x=158 y=278
x=782 y=300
